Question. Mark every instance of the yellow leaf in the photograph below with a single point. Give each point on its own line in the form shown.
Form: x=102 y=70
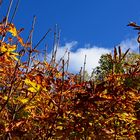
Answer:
x=51 y=105
x=34 y=87
x=7 y=48
x=8 y=51
x=12 y=30
x=29 y=82
x=12 y=48
x=3 y=48
x=23 y=100
x=13 y=56
x=44 y=89
x=124 y=115
x=90 y=123
x=58 y=75
x=5 y=97
x=29 y=107
x=79 y=115
x=59 y=127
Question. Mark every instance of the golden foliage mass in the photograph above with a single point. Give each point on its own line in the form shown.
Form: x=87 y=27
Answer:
x=40 y=100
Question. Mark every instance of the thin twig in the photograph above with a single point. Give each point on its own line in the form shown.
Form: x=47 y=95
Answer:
x=7 y=16
x=31 y=34
x=45 y=53
x=15 y=10
x=80 y=74
x=31 y=37
x=125 y=54
x=42 y=39
x=68 y=62
x=8 y=11
x=57 y=43
x=63 y=74
x=54 y=45
x=57 y=64
x=62 y=57
x=84 y=68
x=120 y=53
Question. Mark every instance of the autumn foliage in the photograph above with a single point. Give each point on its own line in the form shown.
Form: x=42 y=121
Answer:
x=41 y=100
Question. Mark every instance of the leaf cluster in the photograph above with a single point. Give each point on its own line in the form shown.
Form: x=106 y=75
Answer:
x=41 y=100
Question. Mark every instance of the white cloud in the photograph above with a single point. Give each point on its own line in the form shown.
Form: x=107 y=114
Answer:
x=129 y=43
x=93 y=54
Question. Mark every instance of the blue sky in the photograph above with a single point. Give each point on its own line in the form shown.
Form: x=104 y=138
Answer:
x=89 y=27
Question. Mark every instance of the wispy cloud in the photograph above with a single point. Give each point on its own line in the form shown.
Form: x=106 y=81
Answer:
x=130 y=43
x=92 y=52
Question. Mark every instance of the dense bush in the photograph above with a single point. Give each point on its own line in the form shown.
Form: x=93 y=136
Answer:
x=40 y=100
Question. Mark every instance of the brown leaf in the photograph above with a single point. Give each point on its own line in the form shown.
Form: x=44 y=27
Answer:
x=133 y=24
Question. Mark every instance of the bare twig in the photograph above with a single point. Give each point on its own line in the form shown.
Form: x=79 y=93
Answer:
x=120 y=53
x=63 y=74
x=30 y=37
x=125 y=54
x=68 y=61
x=45 y=53
x=15 y=10
x=84 y=68
x=55 y=45
x=41 y=39
x=80 y=74
x=7 y=16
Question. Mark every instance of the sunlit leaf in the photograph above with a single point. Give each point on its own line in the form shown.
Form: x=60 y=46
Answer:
x=5 y=97
x=59 y=127
x=7 y=47
x=12 y=30
x=23 y=100
x=34 y=87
